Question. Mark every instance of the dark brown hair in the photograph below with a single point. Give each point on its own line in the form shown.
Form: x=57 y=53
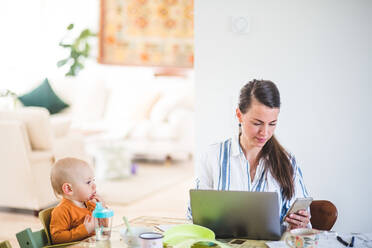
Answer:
x=277 y=158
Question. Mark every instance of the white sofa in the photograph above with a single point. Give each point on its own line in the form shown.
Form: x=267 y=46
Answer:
x=154 y=116
x=30 y=143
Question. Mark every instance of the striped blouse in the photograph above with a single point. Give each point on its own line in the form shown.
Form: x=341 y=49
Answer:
x=224 y=167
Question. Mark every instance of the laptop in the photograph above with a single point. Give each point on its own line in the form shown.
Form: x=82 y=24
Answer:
x=237 y=214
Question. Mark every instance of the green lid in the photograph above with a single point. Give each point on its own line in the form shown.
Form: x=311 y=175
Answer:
x=101 y=212
x=184 y=232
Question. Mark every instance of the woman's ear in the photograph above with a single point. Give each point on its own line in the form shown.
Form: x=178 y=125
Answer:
x=67 y=188
x=239 y=115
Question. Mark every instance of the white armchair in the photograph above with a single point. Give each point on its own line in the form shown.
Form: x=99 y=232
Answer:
x=30 y=142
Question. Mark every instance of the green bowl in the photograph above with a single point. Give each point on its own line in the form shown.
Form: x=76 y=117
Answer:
x=181 y=233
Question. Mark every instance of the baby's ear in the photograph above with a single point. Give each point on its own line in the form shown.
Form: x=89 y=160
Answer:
x=67 y=188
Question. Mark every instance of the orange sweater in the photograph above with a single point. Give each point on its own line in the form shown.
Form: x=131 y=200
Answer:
x=67 y=221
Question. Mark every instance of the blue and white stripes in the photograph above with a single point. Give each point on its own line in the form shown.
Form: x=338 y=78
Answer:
x=225 y=166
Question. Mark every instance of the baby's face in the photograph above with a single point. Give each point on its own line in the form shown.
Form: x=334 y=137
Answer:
x=84 y=186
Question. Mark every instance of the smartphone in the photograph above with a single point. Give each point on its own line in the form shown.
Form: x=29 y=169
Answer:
x=299 y=204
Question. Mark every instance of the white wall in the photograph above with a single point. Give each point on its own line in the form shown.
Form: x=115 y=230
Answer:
x=29 y=50
x=30 y=33
x=319 y=53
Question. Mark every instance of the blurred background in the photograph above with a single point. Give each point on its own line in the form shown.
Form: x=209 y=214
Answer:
x=114 y=85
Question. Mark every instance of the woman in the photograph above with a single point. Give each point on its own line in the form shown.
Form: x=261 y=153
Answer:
x=255 y=161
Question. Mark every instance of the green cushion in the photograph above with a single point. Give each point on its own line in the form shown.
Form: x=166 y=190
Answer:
x=44 y=96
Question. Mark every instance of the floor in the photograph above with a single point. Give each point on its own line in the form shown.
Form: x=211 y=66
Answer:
x=169 y=200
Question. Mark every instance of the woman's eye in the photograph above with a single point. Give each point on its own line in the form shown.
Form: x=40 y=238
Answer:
x=256 y=124
x=89 y=182
x=272 y=124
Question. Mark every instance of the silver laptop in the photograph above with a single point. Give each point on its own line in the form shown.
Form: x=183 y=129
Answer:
x=237 y=214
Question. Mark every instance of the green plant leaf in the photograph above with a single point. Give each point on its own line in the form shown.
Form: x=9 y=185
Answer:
x=62 y=62
x=70 y=73
x=85 y=33
x=73 y=70
x=80 y=66
x=75 y=54
x=64 y=45
x=79 y=49
x=6 y=92
x=86 y=50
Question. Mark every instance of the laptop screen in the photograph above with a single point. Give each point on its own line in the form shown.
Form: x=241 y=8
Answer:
x=237 y=214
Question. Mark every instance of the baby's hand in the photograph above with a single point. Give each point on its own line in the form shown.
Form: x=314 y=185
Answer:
x=89 y=224
x=98 y=198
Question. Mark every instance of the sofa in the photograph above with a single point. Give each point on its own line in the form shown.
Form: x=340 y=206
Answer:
x=30 y=143
x=153 y=117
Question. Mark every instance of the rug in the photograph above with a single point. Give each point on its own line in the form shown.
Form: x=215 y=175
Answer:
x=149 y=180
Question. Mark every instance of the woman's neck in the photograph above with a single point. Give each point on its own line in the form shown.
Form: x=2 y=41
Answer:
x=250 y=152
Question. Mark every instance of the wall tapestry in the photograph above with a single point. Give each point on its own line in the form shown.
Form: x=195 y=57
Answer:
x=147 y=32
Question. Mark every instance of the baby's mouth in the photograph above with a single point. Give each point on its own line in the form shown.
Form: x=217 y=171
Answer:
x=92 y=196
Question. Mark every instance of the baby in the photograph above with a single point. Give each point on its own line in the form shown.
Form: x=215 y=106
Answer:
x=73 y=180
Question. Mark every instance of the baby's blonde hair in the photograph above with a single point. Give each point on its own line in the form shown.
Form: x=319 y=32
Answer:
x=63 y=172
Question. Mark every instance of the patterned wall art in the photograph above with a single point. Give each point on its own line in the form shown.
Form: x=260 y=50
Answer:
x=147 y=33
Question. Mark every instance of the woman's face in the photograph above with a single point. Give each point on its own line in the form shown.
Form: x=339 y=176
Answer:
x=258 y=124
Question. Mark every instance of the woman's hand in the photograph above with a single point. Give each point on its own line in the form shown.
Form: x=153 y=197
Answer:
x=299 y=219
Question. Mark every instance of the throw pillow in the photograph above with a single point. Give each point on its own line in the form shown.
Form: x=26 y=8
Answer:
x=44 y=96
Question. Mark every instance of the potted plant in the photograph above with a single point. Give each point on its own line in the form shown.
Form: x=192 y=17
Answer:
x=79 y=50
x=8 y=99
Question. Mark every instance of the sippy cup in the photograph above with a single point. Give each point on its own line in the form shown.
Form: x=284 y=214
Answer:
x=102 y=222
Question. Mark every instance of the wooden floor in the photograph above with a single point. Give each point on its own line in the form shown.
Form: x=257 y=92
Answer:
x=168 y=202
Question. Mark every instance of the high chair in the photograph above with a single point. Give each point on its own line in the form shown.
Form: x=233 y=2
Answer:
x=44 y=217
x=29 y=239
x=5 y=244
x=42 y=238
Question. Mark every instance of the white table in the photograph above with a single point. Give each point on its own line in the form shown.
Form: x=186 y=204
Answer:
x=327 y=239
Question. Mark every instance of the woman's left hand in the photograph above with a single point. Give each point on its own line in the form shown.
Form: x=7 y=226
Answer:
x=299 y=219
